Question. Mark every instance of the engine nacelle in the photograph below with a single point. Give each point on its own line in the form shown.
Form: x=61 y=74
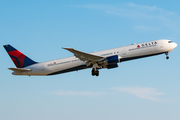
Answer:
x=112 y=66
x=112 y=60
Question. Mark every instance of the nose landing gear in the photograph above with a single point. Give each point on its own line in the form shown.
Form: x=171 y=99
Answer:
x=167 y=57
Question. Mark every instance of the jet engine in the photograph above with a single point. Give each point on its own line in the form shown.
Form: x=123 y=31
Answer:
x=111 y=62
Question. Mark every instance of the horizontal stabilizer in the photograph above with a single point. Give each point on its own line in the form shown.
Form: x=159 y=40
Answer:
x=19 y=69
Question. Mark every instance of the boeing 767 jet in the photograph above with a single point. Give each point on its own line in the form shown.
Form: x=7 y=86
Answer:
x=97 y=60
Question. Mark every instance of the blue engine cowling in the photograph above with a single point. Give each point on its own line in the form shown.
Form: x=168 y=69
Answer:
x=112 y=60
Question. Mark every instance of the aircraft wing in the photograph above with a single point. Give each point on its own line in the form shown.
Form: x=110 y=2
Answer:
x=85 y=56
x=19 y=69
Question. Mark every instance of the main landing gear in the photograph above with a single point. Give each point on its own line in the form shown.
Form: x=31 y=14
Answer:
x=95 y=68
x=167 y=57
x=95 y=72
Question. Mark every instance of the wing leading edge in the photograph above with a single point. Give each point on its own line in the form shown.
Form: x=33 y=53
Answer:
x=97 y=62
x=86 y=57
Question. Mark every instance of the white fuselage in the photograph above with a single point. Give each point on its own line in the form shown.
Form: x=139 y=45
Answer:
x=126 y=53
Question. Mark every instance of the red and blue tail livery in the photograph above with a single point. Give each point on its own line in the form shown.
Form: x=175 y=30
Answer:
x=19 y=59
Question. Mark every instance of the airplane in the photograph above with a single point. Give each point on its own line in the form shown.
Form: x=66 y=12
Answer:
x=96 y=60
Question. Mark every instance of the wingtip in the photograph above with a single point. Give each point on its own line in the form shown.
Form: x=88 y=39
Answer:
x=64 y=48
x=67 y=48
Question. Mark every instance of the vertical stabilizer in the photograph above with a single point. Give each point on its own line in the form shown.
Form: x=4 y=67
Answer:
x=19 y=59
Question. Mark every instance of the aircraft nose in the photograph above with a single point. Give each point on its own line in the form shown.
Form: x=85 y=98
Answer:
x=175 y=45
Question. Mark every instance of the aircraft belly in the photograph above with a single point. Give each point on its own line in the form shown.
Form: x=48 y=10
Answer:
x=141 y=53
x=70 y=69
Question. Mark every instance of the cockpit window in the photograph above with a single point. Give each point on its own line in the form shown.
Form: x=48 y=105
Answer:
x=170 y=41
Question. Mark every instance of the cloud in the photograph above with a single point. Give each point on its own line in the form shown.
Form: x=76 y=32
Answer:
x=141 y=27
x=143 y=6
x=143 y=16
x=79 y=93
x=132 y=10
x=141 y=92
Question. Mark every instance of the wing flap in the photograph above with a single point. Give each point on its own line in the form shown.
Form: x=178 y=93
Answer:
x=19 y=69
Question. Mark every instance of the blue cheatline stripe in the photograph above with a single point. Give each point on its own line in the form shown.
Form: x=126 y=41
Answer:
x=69 y=70
x=84 y=66
x=138 y=57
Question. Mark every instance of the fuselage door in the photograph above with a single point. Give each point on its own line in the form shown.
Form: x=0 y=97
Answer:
x=161 y=44
x=124 y=51
x=42 y=68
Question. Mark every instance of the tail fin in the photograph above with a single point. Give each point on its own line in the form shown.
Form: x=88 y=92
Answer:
x=19 y=59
